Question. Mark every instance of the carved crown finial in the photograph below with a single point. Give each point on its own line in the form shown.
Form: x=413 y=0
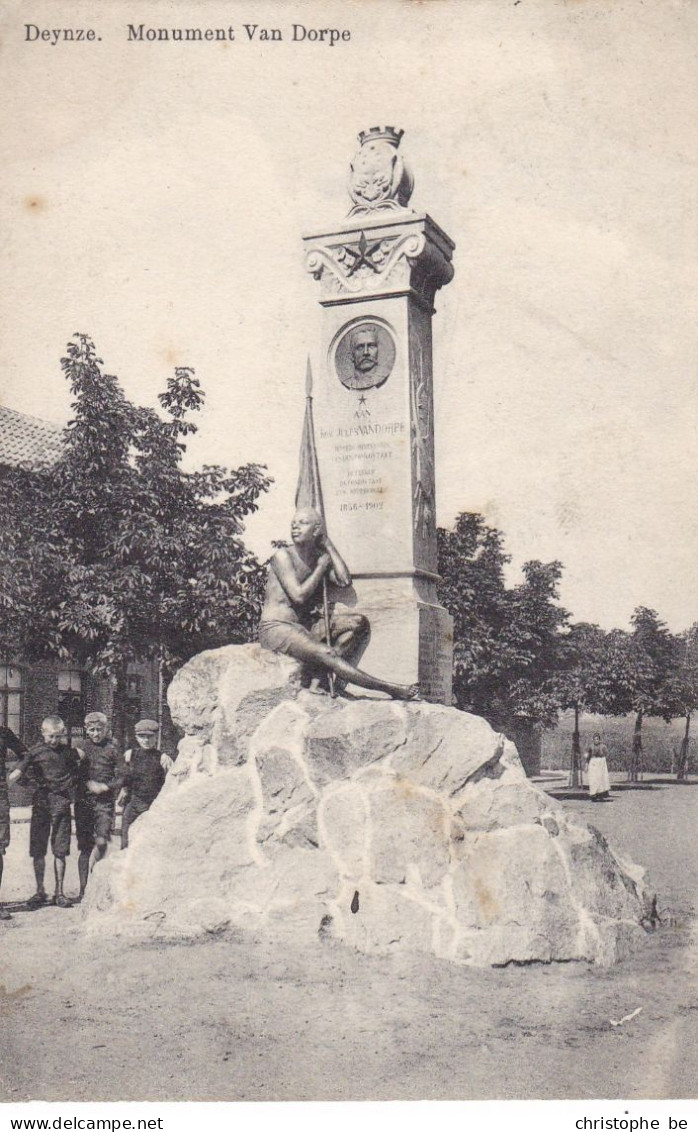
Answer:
x=381 y=133
x=379 y=179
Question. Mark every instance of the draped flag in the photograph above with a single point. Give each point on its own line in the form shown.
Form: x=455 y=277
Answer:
x=309 y=492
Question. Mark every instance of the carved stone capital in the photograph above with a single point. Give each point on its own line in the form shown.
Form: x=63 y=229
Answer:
x=410 y=255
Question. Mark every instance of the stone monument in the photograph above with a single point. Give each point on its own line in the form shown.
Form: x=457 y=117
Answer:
x=387 y=826
x=379 y=271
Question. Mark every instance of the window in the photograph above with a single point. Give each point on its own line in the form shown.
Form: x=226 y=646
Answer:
x=70 y=681
x=133 y=696
x=71 y=699
x=11 y=692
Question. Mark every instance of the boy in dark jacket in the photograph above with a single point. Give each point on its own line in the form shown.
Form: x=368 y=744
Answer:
x=146 y=770
x=52 y=767
x=100 y=776
x=8 y=742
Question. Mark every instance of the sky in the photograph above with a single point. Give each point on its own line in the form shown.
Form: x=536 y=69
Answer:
x=155 y=195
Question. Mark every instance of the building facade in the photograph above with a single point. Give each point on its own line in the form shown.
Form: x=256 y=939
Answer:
x=30 y=692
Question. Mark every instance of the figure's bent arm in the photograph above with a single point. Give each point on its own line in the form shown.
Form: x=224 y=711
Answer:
x=118 y=773
x=14 y=744
x=24 y=770
x=340 y=571
x=298 y=592
x=127 y=784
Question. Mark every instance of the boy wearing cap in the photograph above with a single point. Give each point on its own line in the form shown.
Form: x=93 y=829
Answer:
x=8 y=742
x=100 y=775
x=146 y=770
x=52 y=767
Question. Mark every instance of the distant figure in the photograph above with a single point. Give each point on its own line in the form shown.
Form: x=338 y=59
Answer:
x=144 y=777
x=100 y=776
x=290 y=624
x=8 y=742
x=599 y=782
x=52 y=768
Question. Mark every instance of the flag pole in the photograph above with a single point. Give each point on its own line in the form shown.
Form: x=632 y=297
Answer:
x=318 y=495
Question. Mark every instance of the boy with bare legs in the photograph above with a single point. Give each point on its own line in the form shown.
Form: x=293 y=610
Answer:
x=144 y=777
x=52 y=767
x=8 y=742
x=100 y=776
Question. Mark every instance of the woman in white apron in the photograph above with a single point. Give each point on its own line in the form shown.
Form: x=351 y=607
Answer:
x=599 y=782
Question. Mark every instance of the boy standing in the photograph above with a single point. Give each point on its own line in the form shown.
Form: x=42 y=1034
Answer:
x=100 y=775
x=146 y=770
x=52 y=766
x=8 y=742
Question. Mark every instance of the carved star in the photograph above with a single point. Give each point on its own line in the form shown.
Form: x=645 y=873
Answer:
x=362 y=254
x=362 y=399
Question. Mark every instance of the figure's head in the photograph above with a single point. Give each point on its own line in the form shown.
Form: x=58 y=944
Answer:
x=146 y=734
x=306 y=525
x=363 y=344
x=596 y=739
x=96 y=726
x=53 y=731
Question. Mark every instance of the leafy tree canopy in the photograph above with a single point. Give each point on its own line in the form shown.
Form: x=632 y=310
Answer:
x=116 y=552
x=505 y=639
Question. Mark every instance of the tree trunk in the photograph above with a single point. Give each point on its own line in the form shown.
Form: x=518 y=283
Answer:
x=635 y=771
x=682 y=767
x=119 y=705
x=576 y=764
x=161 y=698
x=169 y=734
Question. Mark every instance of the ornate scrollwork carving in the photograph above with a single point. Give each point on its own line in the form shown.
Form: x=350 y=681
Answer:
x=364 y=265
x=424 y=510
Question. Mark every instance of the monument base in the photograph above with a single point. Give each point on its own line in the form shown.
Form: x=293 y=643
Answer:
x=387 y=826
x=411 y=634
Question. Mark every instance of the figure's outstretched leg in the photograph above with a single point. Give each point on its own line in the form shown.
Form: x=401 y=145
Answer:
x=352 y=675
x=318 y=655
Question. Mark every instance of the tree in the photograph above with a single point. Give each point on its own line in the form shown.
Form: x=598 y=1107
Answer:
x=635 y=674
x=652 y=654
x=532 y=634
x=118 y=553
x=505 y=640
x=581 y=662
x=471 y=565
x=684 y=689
x=31 y=566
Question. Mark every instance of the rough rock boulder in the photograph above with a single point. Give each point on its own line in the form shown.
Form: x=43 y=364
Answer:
x=384 y=825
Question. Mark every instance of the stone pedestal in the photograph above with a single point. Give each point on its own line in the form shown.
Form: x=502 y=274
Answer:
x=373 y=405
x=386 y=826
x=411 y=634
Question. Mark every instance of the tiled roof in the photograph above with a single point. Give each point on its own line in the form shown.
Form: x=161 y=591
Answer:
x=28 y=440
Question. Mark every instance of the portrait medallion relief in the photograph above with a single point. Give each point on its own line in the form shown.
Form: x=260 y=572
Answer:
x=364 y=356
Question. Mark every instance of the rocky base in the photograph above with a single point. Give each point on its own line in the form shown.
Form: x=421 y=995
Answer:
x=384 y=825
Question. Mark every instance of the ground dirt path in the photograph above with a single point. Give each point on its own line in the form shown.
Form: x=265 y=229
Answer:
x=238 y=1018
